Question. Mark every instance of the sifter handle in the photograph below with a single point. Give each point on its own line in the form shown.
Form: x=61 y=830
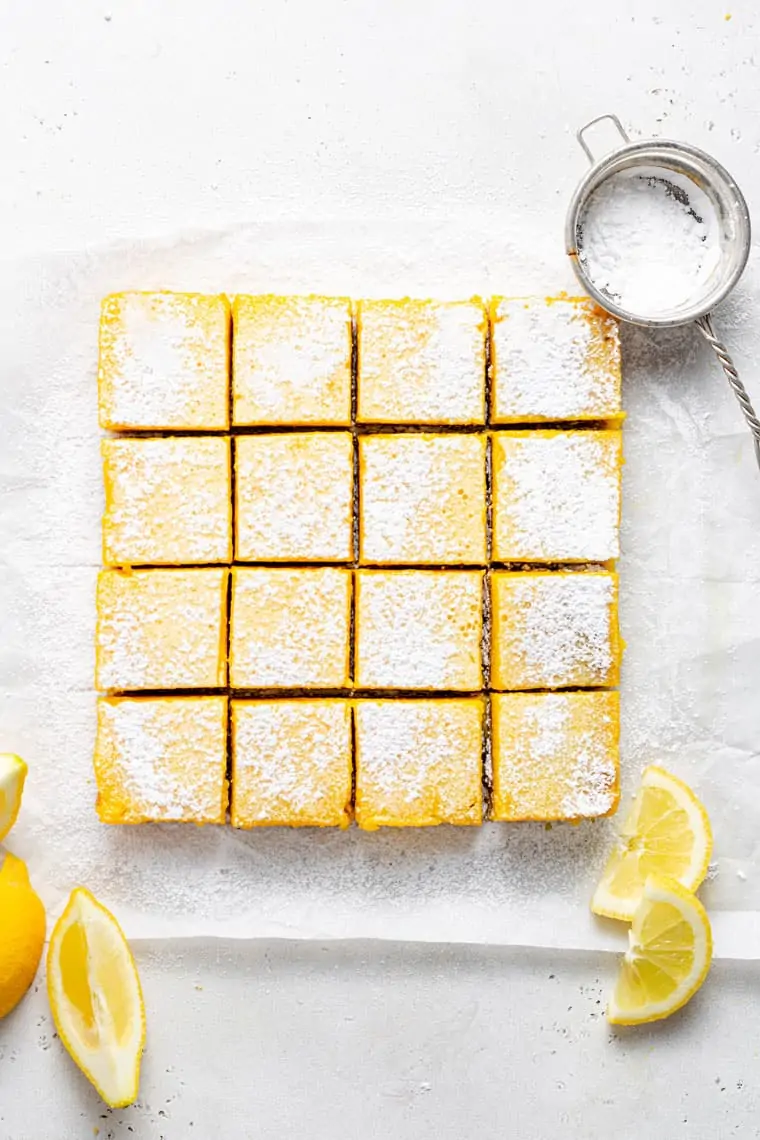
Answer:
x=592 y=123
x=705 y=326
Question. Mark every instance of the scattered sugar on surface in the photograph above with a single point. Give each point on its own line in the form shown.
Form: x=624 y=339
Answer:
x=421 y=362
x=556 y=628
x=423 y=498
x=555 y=360
x=166 y=360
x=294 y=497
x=161 y=629
x=418 y=630
x=557 y=496
x=292 y=360
x=291 y=759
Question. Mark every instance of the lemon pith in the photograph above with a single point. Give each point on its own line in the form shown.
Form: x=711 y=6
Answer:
x=668 y=957
x=13 y=772
x=22 y=933
x=96 y=999
x=667 y=832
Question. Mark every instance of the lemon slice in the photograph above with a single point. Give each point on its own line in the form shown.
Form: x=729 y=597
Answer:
x=12 y=775
x=96 y=999
x=667 y=832
x=22 y=933
x=668 y=956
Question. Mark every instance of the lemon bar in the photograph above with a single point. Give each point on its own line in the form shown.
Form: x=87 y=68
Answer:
x=418 y=762
x=291 y=763
x=290 y=628
x=553 y=359
x=164 y=362
x=419 y=629
x=421 y=362
x=291 y=361
x=556 y=496
x=294 y=497
x=554 y=630
x=422 y=499
x=161 y=629
x=168 y=501
x=555 y=755
x=162 y=760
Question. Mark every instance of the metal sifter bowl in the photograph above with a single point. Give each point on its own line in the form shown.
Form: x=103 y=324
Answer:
x=734 y=236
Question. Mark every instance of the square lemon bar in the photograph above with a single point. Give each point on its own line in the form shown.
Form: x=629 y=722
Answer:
x=419 y=629
x=421 y=362
x=294 y=497
x=289 y=628
x=168 y=501
x=162 y=760
x=553 y=359
x=554 y=630
x=291 y=763
x=418 y=762
x=555 y=755
x=161 y=629
x=291 y=361
x=556 y=496
x=422 y=499
x=164 y=362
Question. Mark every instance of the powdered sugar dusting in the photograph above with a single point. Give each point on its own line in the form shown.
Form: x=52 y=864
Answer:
x=554 y=360
x=167 y=501
x=418 y=629
x=421 y=362
x=290 y=628
x=555 y=755
x=294 y=497
x=164 y=361
x=292 y=360
x=291 y=762
x=556 y=496
x=554 y=630
x=418 y=762
x=161 y=629
x=422 y=499
x=162 y=760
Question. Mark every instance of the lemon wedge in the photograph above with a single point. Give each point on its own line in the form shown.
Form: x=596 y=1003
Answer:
x=667 y=832
x=96 y=999
x=12 y=775
x=669 y=954
x=22 y=932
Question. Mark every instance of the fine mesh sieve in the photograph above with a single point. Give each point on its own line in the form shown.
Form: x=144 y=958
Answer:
x=732 y=229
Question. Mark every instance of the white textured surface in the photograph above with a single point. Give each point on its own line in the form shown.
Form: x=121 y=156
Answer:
x=445 y=163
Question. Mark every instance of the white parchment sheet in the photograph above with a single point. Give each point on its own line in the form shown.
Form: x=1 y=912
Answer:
x=690 y=597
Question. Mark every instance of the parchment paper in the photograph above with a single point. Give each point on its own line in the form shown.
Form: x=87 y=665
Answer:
x=690 y=589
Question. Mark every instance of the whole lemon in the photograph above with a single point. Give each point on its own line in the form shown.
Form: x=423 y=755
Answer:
x=22 y=932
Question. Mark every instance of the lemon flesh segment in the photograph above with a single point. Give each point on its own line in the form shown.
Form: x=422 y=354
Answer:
x=667 y=832
x=96 y=998
x=22 y=933
x=12 y=775
x=668 y=957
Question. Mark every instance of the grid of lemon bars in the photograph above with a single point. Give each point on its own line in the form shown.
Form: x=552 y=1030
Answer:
x=359 y=561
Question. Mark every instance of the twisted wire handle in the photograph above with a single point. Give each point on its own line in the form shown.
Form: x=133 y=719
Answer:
x=705 y=326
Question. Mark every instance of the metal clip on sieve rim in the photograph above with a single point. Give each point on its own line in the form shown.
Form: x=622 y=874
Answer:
x=732 y=212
